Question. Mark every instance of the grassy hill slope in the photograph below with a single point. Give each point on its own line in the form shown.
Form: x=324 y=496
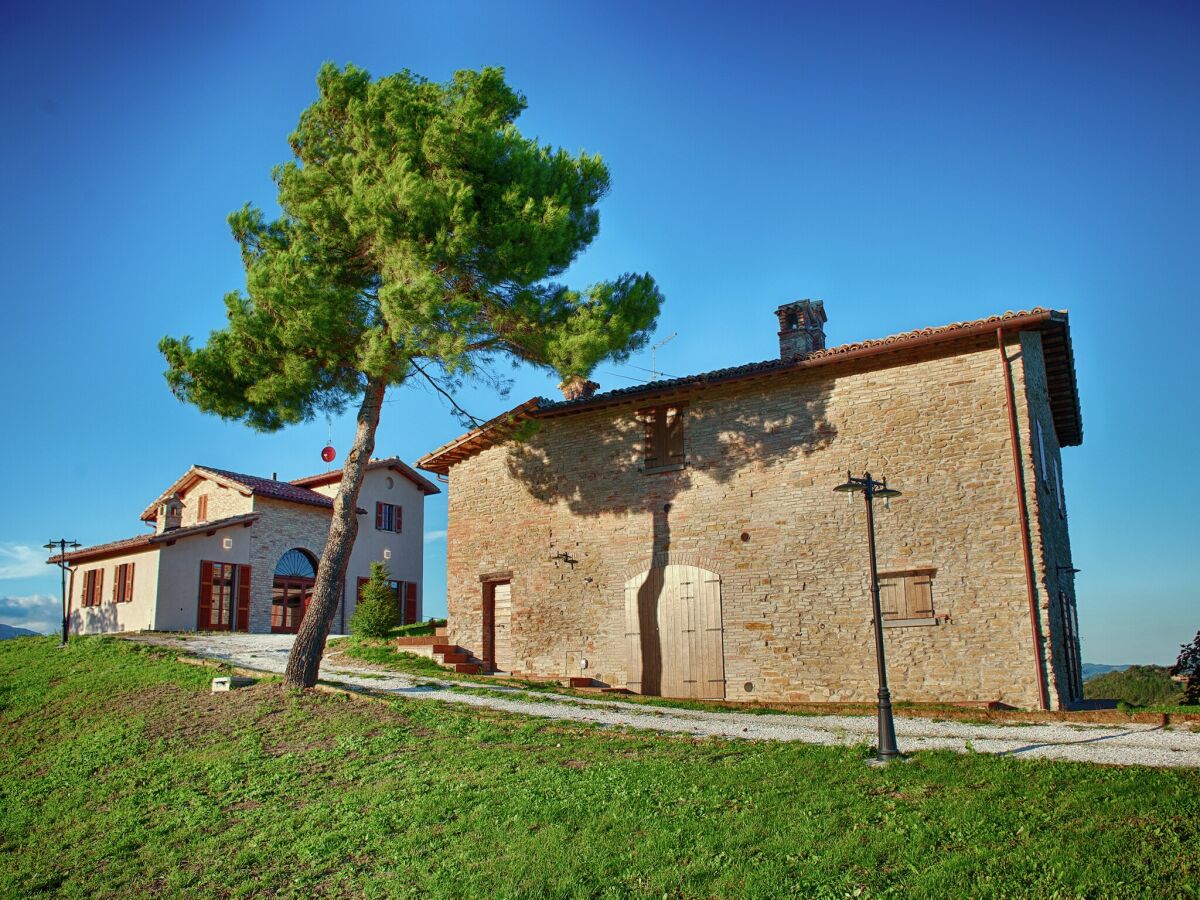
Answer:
x=1136 y=685
x=120 y=774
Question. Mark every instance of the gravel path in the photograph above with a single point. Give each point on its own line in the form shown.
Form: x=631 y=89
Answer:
x=1145 y=745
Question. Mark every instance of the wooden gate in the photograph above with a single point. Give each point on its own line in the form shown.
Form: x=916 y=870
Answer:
x=502 y=657
x=673 y=633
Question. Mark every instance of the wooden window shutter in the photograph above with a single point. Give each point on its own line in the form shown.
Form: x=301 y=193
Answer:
x=243 y=598
x=410 y=602
x=891 y=598
x=129 y=582
x=99 y=587
x=651 y=445
x=204 y=607
x=118 y=583
x=378 y=516
x=398 y=515
x=202 y=508
x=1041 y=449
x=673 y=429
x=918 y=593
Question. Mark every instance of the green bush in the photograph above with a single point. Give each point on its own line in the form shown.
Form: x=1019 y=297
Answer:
x=376 y=613
x=1137 y=686
x=1188 y=665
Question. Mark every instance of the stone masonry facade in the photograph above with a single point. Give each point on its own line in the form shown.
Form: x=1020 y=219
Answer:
x=568 y=516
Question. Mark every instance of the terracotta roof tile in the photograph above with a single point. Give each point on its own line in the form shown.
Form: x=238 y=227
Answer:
x=391 y=462
x=1065 y=400
x=148 y=541
x=276 y=490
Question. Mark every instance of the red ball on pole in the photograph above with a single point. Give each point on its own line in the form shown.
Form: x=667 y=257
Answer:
x=328 y=454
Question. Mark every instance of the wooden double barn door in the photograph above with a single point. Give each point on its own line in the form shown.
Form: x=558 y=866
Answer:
x=673 y=633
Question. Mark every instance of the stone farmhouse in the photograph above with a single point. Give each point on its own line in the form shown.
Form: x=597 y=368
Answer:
x=682 y=538
x=233 y=552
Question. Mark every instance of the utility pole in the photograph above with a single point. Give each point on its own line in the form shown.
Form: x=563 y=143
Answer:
x=61 y=545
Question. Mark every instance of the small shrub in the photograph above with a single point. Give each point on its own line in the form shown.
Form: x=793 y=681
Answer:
x=1188 y=665
x=376 y=613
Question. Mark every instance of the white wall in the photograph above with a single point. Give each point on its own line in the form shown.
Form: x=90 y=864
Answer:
x=134 y=615
x=406 y=563
x=179 y=574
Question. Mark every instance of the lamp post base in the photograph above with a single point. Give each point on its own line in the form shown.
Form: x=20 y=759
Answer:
x=876 y=762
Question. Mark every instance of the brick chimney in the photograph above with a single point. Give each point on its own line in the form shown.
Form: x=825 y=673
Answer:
x=170 y=514
x=801 y=328
x=578 y=388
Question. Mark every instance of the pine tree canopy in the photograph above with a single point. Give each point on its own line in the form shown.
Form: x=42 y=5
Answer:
x=418 y=226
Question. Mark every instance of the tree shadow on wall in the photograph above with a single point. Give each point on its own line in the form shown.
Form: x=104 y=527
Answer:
x=723 y=437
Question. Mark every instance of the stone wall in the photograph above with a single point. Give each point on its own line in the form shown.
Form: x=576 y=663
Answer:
x=1048 y=521
x=283 y=526
x=754 y=504
x=223 y=502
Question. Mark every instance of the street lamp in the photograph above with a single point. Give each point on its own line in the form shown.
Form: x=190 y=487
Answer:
x=61 y=545
x=870 y=488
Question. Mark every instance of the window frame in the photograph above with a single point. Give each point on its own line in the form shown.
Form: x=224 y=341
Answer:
x=93 y=584
x=123 y=575
x=664 y=437
x=909 y=581
x=389 y=517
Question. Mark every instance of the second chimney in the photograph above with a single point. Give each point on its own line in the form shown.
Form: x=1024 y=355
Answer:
x=801 y=328
x=578 y=388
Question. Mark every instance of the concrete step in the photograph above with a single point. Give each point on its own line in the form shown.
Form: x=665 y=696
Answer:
x=468 y=668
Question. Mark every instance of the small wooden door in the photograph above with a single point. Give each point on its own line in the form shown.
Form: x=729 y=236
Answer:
x=502 y=656
x=674 y=634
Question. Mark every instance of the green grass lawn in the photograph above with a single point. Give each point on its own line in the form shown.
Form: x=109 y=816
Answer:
x=123 y=776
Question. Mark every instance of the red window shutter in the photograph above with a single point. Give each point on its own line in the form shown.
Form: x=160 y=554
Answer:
x=243 y=598
x=99 y=587
x=129 y=582
x=204 y=614
x=118 y=583
x=378 y=516
x=398 y=521
x=410 y=602
x=202 y=508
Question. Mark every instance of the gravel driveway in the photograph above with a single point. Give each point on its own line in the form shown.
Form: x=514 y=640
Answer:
x=1145 y=745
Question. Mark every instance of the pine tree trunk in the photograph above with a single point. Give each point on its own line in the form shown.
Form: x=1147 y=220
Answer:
x=305 y=658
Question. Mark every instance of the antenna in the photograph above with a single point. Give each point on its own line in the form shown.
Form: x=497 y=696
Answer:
x=654 y=373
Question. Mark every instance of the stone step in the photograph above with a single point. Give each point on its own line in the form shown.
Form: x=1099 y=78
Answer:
x=468 y=668
x=458 y=656
x=443 y=647
x=422 y=640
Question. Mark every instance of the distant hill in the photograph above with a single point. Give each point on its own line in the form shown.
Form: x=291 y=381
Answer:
x=1136 y=685
x=12 y=631
x=1091 y=670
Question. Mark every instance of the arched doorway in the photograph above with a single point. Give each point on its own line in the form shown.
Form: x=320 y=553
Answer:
x=673 y=633
x=295 y=574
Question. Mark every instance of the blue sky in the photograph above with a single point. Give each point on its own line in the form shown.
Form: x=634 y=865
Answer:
x=910 y=164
